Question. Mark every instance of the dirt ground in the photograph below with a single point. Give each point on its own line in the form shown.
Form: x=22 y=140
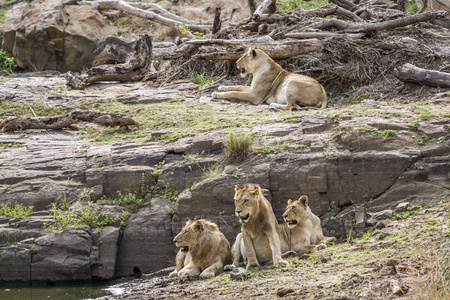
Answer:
x=395 y=262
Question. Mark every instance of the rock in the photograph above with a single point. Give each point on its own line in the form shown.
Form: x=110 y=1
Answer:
x=383 y=215
x=107 y=252
x=239 y=274
x=65 y=256
x=383 y=235
x=402 y=207
x=360 y=218
x=281 y=292
x=53 y=36
x=379 y=225
x=147 y=241
x=15 y=261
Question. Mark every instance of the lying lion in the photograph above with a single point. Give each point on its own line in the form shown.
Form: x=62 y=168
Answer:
x=273 y=85
x=203 y=250
x=305 y=232
x=259 y=241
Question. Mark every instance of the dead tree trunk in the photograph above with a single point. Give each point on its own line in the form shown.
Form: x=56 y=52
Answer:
x=268 y=6
x=135 y=68
x=59 y=122
x=410 y=73
x=217 y=23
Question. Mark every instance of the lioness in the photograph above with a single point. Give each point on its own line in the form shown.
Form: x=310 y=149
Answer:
x=305 y=231
x=273 y=85
x=259 y=241
x=203 y=250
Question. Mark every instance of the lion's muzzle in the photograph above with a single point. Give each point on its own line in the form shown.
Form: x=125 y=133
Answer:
x=245 y=218
x=184 y=249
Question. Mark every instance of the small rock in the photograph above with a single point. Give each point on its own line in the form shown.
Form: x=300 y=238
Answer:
x=371 y=222
x=379 y=225
x=284 y=291
x=383 y=215
x=239 y=274
x=402 y=207
x=383 y=235
x=360 y=217
x=392 y=262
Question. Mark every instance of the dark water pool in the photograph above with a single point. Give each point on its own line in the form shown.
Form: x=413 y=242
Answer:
x=57 y=292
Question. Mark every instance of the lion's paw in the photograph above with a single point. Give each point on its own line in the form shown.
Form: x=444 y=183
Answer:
x=222 y=88
x=320 y=247
x=173 y=274
x=214 y=95
x=206 y=274
x=253 y=263
x=229 y=267
x=281 y=262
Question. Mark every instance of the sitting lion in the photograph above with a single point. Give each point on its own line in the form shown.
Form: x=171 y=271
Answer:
x=273 y=85
x=259 y=241
x=203 y=250
x=305 y=232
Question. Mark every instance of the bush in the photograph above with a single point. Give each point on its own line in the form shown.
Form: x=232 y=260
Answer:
x=15 y=210
x=7 y=64
x=239 y=145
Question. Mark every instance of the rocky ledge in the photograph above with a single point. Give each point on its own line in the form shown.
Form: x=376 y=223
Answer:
x=355 y=168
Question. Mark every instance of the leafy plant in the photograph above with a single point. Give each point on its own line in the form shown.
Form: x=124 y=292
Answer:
x=202 y=79
x=238 y=145
x=170 y=210
x=283 y=146
x=291 y=5
x=7 y=64
x=15 y=210
x=238 y=173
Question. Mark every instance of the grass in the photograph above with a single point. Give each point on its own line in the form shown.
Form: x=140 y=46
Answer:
x=203 y=79
x=238 y=145
x=41 y=110
x=15 y=210
x=386 y=133
x=291 y=5
x=8 y=65
x=276 y=147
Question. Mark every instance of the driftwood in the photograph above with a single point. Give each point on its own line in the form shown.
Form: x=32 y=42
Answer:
x=286 y=49
x=135 y=68
x=59 y=122
x=367 y=27
x=133 y=10
x=410 y=73
x=266 y=7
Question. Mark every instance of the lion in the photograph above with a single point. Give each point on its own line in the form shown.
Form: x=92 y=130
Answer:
x=273 y=85
x=258 y=241
x=305 y=231
x=204 y=250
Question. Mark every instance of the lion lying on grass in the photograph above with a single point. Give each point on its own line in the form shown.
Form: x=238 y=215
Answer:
x=305 y=231
x=273 y=85
x=259 y=241
x=204 y=250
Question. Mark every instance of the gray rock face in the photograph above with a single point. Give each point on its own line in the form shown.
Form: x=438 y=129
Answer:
x=50 y=35
x=338 y=174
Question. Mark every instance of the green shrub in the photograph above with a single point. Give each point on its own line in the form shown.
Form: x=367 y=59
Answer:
x=15 y=210
x=238 y=145
x=8 y=65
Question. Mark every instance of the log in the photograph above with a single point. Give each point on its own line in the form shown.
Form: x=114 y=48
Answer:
x=251 y=7
x=217 y=23
x=60 y=122
x=275 y=49
x=267 y=6
x=329 y=10
x=411 y=73
x=125 y=7
x=368 y=27
x=309 y=35
x=135 y=68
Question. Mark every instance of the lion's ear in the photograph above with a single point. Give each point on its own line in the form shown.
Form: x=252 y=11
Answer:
x=253 y=52
x=198 y=225
x=188 y=222
x=290 y=202
x=255 y=191
x=303 y=200
x=236 y=188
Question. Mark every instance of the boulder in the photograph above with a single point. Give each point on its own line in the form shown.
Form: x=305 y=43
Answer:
x=52 y=35
x=64 y=256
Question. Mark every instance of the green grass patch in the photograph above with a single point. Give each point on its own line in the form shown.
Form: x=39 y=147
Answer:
x=291 y=5
x=203 y=79
x=25 y=110
x=386 y=132
x=8 y=65
x=277 y=147
x=239 y=145
x=15 y=210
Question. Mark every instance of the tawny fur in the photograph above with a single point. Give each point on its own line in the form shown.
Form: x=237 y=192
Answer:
x=273 y=85
x=302 y=228
x=208 y=250
x=259 y=241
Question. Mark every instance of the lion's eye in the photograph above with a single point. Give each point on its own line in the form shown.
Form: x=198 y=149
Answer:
x=184 y=232
x=293 y=207
x=245 y=201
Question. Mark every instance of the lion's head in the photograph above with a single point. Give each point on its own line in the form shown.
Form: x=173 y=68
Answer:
x=190 y=236
x=296 y=211
x=251 y=60
x=246 y=201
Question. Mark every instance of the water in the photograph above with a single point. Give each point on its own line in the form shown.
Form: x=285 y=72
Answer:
x=57 y=292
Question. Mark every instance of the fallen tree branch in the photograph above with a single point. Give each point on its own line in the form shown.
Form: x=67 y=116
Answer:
x=267 y=6
x=125 y=7
x=135 y=68
x=411 y=73
x=275 y=49
x=60 y=122
x=367 y=27
x=329 y=10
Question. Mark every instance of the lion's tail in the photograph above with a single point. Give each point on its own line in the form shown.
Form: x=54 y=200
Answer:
x=325 y=100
